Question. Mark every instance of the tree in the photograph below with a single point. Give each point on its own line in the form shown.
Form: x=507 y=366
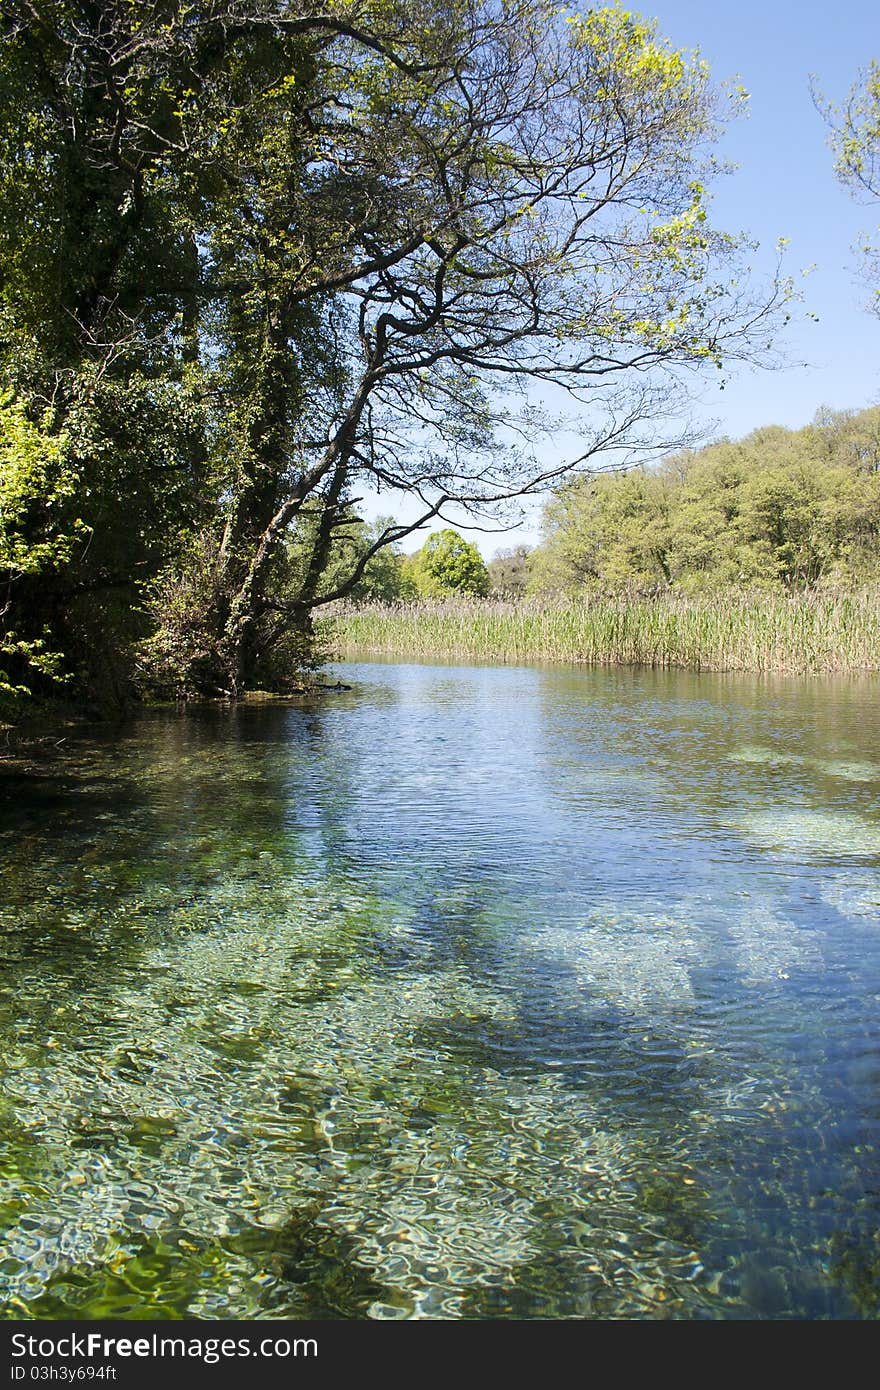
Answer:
x=509 y=569
x=35 y=484
x=384 y=578
x=779 y=509
x=285 y=251
x=855 y=141
x=608 y=530
x=97 y=273
x=448 y=564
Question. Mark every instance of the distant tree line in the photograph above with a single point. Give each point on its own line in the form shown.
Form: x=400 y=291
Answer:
x=780 y=509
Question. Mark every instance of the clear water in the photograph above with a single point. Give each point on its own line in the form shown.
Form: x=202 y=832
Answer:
x=473 y=993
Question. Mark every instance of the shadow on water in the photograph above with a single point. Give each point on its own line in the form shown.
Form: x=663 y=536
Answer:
x=475 y=1016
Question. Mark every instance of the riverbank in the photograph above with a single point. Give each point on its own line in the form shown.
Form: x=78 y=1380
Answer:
x=796 y=635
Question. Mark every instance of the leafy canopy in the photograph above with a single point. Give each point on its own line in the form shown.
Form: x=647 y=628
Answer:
x=260 y=257
x=780 y=509
x=448 y=564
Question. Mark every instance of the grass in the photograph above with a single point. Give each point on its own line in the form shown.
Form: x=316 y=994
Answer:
x=795 y=634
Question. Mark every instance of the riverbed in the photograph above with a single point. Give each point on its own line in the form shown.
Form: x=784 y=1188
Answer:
x=468 y=992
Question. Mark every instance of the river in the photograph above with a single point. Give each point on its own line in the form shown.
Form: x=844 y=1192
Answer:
x=471 y=992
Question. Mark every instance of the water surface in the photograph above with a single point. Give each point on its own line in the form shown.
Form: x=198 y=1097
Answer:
x=472 y=992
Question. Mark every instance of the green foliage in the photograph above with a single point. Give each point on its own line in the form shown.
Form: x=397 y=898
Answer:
x=383 y=579
x=509 y=571
x=448 y=564
x=37 y=483
x=178 y=659
x=855 y=140
x=102 y=465
x=87 y=512
x=856 y=134
x=730 y=630
x=781 y=509
x=258 y=257
x=613 y=529
x=37 y=539
x=183 y=657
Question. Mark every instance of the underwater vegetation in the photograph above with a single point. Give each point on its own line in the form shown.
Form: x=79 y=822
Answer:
x=301 y=1023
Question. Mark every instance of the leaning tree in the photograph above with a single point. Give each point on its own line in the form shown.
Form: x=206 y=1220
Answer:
x=376 y=245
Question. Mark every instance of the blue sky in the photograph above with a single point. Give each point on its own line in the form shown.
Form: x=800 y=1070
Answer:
x=783 y=187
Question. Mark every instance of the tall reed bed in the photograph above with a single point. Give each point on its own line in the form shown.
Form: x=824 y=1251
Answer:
x=799 y=634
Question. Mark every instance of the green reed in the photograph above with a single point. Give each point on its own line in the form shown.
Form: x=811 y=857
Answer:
x=797 y=633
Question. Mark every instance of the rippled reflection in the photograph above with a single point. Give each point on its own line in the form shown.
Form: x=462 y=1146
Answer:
x=473 y=993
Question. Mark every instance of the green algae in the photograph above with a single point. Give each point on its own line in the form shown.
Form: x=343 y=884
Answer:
x=263 y=1059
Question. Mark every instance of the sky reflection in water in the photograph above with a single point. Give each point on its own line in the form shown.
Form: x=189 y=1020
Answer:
x=474 y=992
